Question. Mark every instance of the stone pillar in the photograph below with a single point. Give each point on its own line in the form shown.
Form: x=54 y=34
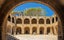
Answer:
x=55 y=31
x=54 y=19
x=30 y=30
x=38 y=30
x=45 y=30
x=45 y=20
x=15 y=25
x=11 y=19
x=22 y=24
x=51 y=20
x=23 y=30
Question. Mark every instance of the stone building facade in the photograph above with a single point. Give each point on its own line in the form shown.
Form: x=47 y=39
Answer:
x=34 y=25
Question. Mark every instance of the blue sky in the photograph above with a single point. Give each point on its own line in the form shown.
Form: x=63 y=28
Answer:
x=22 y=7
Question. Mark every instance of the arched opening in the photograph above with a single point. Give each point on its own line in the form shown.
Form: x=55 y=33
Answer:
x=26 y=30
x=18 y=21
x=34 y=30
x=26 y=21
x=56 y=18
x=48 y=30
x=34 y=21
x=41 y=21
x=18 y=30
x=47 y=21
x=9 y=18
x=41 y=30
x=12 y=19
x=52 y=20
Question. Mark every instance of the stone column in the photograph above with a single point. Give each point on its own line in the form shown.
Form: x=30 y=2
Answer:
x=45 y=20
x=23 y=30
x=11 y=19
x=55 y=31
x=51 y=30
x=45 y=30
x=38 y=30
x=54 y=19
x=51 y=20
x=22 y=24
x=30 y=30
x=15 y=26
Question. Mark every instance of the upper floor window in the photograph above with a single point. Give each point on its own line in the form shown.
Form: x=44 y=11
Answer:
x=41 y=21
x=18 y=21
x=47 y=21
x=34 y=21
x=26 y=21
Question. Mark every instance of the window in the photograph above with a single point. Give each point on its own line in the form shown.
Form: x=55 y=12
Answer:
x=41 y=30
x=41 y=21
x=26 y=21
x=19 y=21
x=27 y=30
x=56 y=19
x=34 y=30
x=34 y=21
x=47 y=21
x=48 y=30
x=18 y=30
x=9 y=18
x=52 y=20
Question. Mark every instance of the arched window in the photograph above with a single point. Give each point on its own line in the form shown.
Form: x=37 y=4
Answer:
x=26 y=30
x=56 y=18
x=48 y=30
x=9 y=18
x=47 y=21
x=34 y=30
x=34 y=21
x=12 y=19
x=26 y=21
x=18 y=21
x=41 y=30
x=41 y=21
x=18 y=30
x=52 y=20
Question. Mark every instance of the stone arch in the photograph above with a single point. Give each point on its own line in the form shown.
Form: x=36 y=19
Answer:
x=18 y=30
x=47 y=21
x=26 y=21
x=41 y=30
x=41 y=21
x=26 y=30
x=6 y=8
x=34 y=21
x=34 y=30
x=18 y=21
